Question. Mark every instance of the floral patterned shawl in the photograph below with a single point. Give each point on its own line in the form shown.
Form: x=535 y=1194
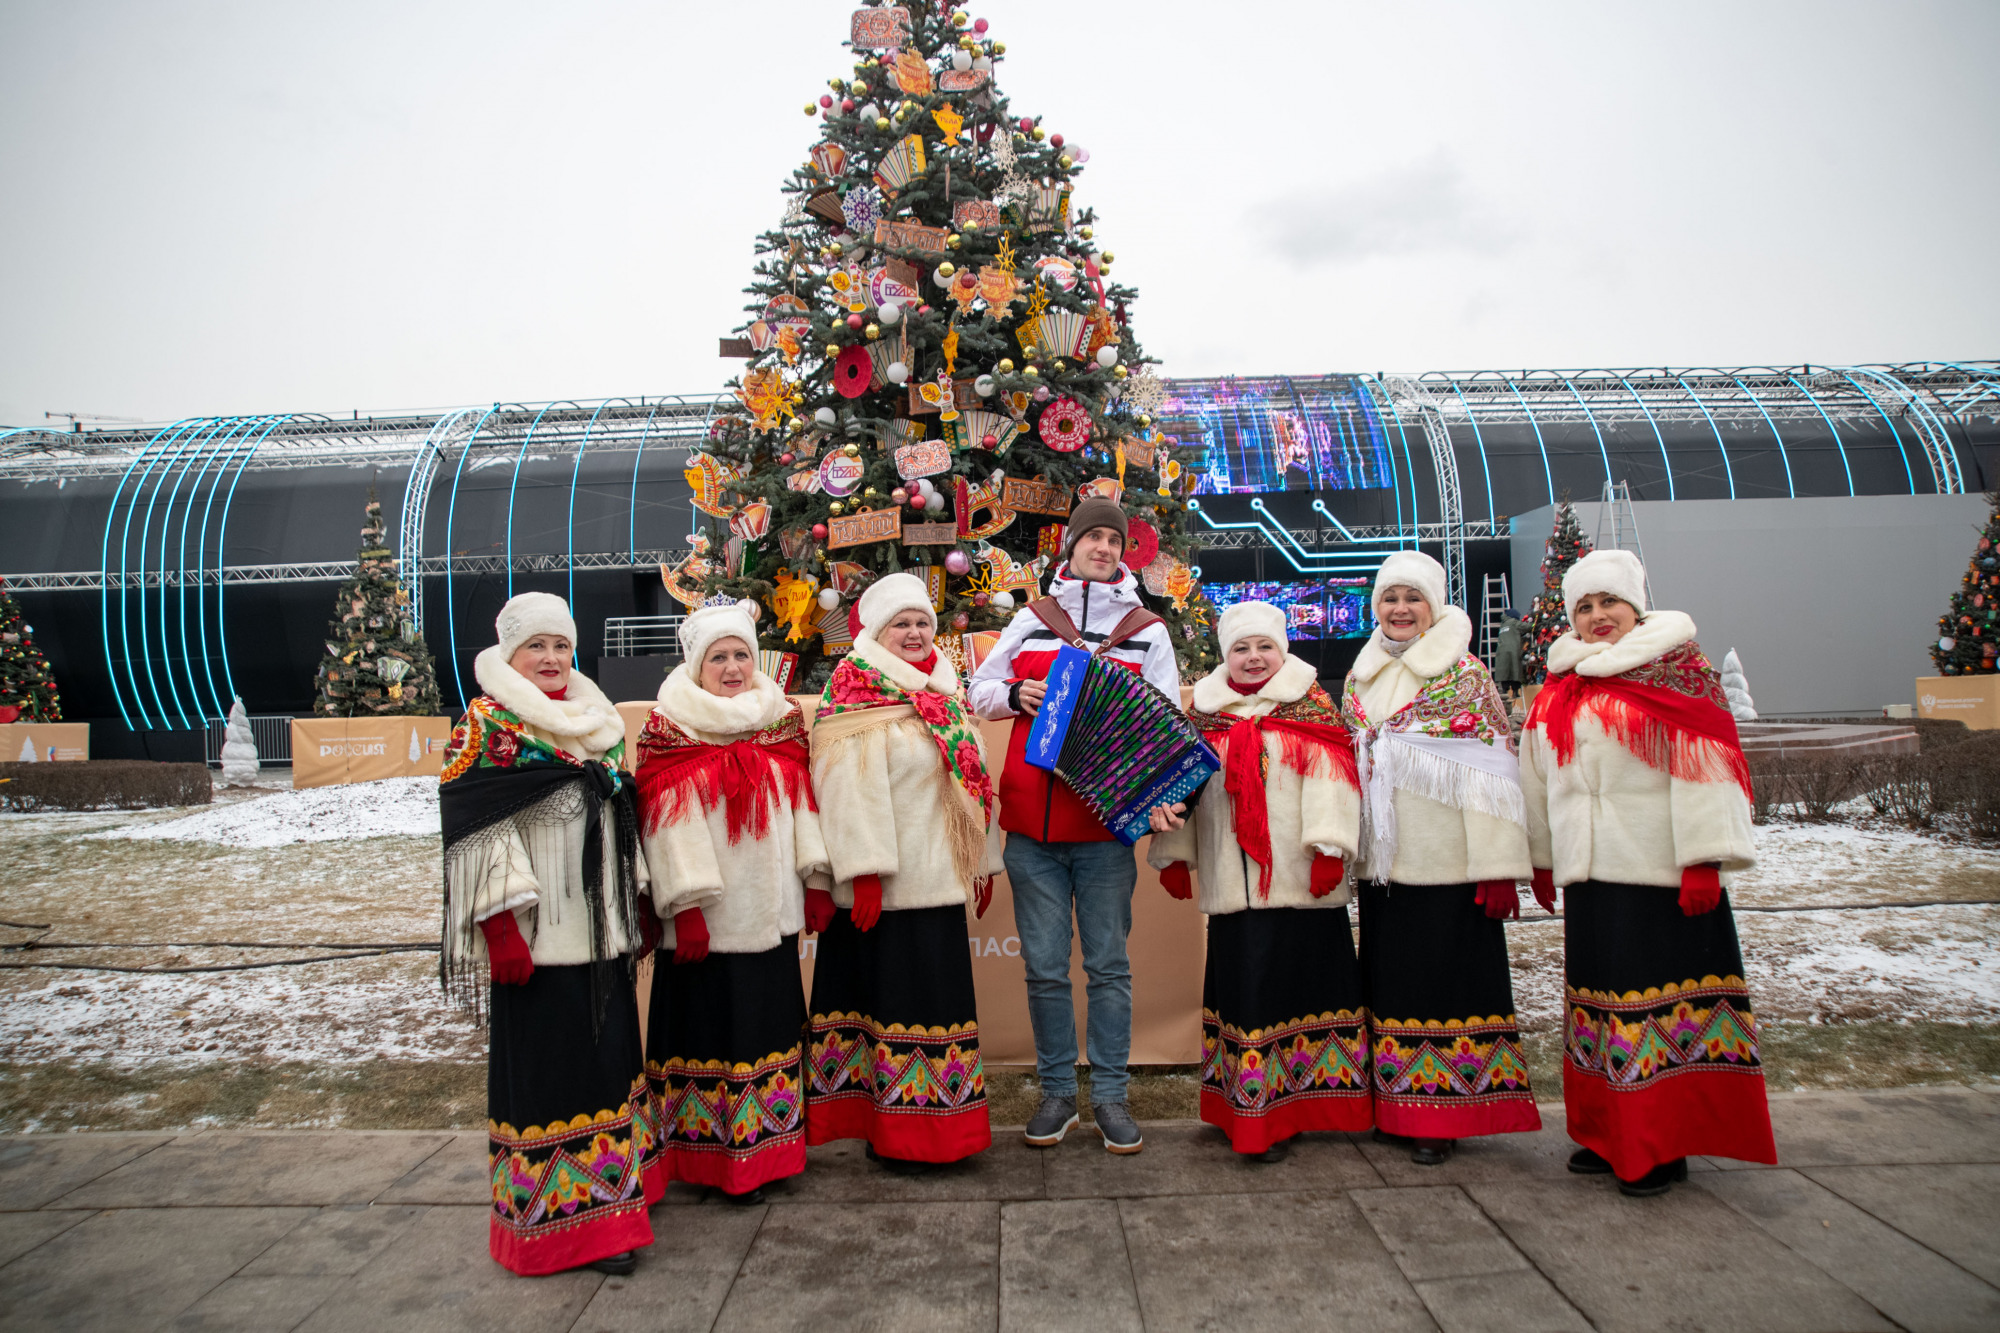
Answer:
x=860 y=698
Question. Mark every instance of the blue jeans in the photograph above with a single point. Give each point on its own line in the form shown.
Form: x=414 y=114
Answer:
x=1096 y=879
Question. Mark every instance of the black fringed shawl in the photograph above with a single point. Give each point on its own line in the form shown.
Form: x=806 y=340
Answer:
x=498 y=778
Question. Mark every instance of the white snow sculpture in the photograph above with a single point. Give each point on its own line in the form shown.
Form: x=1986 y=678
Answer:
x=239 y=749
x=1736 y=689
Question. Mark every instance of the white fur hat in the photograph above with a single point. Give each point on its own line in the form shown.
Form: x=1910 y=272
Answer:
x=1247 y=618
x=704 y=626
x=1411 y=569
x=1616 y=572
x=530 y=614
x=891 y=595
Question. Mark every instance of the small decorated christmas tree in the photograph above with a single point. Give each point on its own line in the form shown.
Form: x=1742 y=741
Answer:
x=939 y=366
x=27 y=686
x=376 y=664
x=1968 y=641
x=1548 y=619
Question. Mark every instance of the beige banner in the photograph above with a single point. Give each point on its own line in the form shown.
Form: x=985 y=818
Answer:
x=1973 y=700
x=41 y=742
x=331 y=750
x=1167 y=948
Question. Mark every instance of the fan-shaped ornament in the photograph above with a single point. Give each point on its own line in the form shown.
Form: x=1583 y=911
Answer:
x=852 y=370
x=1142 y=543
x=1065 y=425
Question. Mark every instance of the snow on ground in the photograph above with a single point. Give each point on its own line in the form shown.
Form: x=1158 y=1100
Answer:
x=360 y=863
x=390 y=807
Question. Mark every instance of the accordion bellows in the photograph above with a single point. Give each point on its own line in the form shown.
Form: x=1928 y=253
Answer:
x=1120 y=744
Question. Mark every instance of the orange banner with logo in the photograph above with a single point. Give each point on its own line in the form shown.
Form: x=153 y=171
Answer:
x=331 y=750
x=44 y=742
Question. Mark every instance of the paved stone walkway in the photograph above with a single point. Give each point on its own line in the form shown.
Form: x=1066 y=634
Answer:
x=1885 y=1214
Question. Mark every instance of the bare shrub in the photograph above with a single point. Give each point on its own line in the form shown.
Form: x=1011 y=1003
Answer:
x=1819 y=781
x=103 y=784
x=1770 y=786
x=1905 y=788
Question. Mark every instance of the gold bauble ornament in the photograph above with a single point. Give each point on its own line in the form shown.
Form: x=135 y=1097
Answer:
x=1118 y=372
x=947 y=268
x=834 y=508
x=1145 y=420
x=836 y=85
x=1032 y=373
x=837 y=249
x=1058 y=367
x=1106 y=257
x=881 y=122
x=1006 y=366
x=873 y=331
x=1083 y=232
x=954 y=240
x=959 y=18
x=999 y=48
x=1029 y=351
x=869 y=493
x=1065 y=162
x=1037 y=134
x=811 y=107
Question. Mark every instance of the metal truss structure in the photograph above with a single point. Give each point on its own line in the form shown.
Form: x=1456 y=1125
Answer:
x=332 y=571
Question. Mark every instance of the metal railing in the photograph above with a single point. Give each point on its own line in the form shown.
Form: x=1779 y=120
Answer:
x=272 y=732
x=642 y=636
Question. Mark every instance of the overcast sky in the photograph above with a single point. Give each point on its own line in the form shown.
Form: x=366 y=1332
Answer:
x=232 y=207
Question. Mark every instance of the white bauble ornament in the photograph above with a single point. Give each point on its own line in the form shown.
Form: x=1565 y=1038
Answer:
x=828 y=599
x=898 y=373
x=982 y=62
x=1947 y=644
x=869 y=111
x=961 y=60
x=983 y=386
x=889 y=314
x=827 y=417
x=1003 y=601
x=934 y=503
x=1107 y=357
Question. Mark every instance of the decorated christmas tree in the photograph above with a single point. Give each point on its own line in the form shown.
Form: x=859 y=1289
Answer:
x=1548 y=619
x=376 y=664
x=939 y=366
x=27 y=686
x=1968 y=640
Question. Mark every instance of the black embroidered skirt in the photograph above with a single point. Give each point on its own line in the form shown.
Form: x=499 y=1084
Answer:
x=895 y=1038
x=1447 y=1049
x=569 y=1121
x=1660 y=1045
x=724 y=1057
x=1284 y=1032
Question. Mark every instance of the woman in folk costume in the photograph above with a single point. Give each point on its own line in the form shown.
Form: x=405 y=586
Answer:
x=732 y=840
x=1284 y=1031
x=1442 y=844
x=542 y=878
x=1639 y=807
x=908 y=818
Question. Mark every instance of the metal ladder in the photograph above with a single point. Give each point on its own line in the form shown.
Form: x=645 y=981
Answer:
x=1615 y=505
x=1492 y=610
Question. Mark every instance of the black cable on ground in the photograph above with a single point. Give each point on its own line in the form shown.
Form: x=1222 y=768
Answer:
x=226 y=967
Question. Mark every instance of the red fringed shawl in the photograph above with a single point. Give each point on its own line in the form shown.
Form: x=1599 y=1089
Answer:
x=1670 y=713
x=1312 y=743
x=680 y=776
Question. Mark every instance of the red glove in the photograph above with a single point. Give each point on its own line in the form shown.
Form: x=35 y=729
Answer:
x=982 y=894
x=649 y=929
x=867 y=901
x=1701 y=889
x=1174 y=879
x=1545 y=889
x=1327 y=873
x=1500 y=898
x=690 y=935
x=819 y=910
x=506 y=951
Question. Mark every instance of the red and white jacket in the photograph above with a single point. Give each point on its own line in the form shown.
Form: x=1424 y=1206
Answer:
x=1034 y=803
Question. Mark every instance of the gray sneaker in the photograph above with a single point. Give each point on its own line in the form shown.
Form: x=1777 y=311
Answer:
x=1056 y=1118
x=1120 y=1130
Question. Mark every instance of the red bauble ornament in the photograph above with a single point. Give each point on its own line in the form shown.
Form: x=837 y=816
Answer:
x=825 y=99
x=990 y=441
x=1027 y=125
x=1055 y=141
x=847 y=105
x=819 y=532
x=788 y=459
x=855 y=321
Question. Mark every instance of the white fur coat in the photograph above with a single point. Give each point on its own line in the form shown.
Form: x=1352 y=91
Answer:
x=1307 y=815
x=880 y=804
x=751 y=893
x=1608 y=815
x=1436 y=843
x=537 y=872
